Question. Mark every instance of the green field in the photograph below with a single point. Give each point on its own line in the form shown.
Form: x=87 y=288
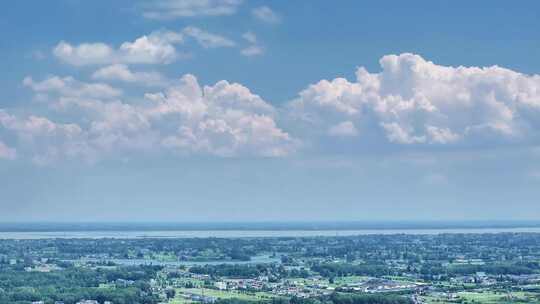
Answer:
x=178 y=299
x=220 y=294
x=485 y=297
x=349 y=280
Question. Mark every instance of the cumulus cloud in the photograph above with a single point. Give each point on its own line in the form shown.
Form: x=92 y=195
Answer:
x=172 y=9
x=44 y=139
x=225 y=119
x=411 y=102
x=156 y=48
x=266 y=14
x=121 y=72
x=417 y=102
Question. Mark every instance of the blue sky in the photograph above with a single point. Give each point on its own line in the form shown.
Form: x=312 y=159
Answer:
x=230 y=110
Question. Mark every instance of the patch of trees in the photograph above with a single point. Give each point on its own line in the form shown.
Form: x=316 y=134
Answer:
x=495 y=269
x=73 y=284
x=346 y=269
x=231 y=270
x=249 y=271
x=333 y=299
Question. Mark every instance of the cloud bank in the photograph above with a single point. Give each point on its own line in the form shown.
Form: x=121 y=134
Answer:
x=225 y=120
x=410 y=102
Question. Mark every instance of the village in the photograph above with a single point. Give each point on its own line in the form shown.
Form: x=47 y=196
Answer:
x=202 y=288
x=431 y=269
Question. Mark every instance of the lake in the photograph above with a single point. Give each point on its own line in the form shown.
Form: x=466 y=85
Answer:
x=245 y=233
x=259 y=259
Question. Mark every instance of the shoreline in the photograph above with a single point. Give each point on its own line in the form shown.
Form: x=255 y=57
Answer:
x=181 y=234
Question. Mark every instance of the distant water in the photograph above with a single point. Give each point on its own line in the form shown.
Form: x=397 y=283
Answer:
x=260 y=259
x=244 y=233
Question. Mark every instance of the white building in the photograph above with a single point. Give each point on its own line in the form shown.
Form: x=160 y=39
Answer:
x=88 y=302
x=220 y=285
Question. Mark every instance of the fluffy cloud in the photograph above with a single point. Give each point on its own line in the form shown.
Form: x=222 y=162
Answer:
x=105 y=124
x=225 y=119
x=69 y=87
x=414 y=101
x=157 y=48
x=410 y=102
x=171 y=9
x=121 y=72
x=266 y=14
x=43 y=139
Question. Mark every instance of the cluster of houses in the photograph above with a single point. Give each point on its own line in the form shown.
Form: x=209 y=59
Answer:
x=42 y=267
x=484 y=279
x=313 y=286
x=381 y=285
x=242 y=284
x=478 y=278
x=199 y=298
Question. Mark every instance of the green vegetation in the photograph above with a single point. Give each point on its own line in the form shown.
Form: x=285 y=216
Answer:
x=446 y=268
x=72 y=284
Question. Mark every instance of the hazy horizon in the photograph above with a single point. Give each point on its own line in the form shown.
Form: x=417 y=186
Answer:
x=261 y=225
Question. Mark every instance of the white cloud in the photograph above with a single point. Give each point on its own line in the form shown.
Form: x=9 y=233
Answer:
x=225 y=119
x=7 y=152
x=172 y=9
x=414 y=101
x=441 y=135
x=410 y=102
x=397 y=134
x=156 y=48
x=121 y=72
x=266 y=14
x=206 y=39
x=69 y=87
x=45 y=140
